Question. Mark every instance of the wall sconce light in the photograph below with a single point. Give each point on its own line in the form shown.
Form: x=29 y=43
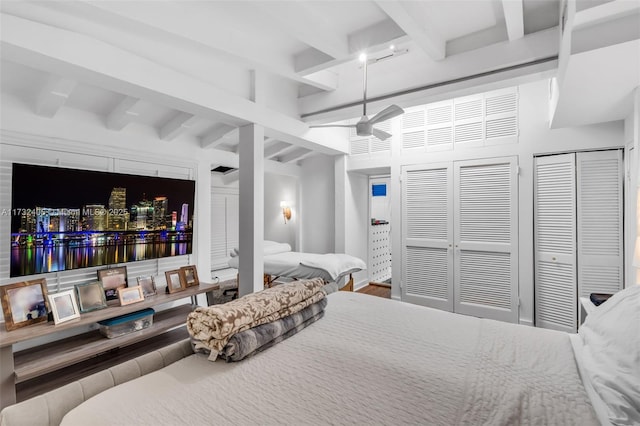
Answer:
x=286 y=210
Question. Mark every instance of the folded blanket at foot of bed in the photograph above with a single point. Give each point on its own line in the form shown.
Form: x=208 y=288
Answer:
x=249 y=342
x=211 y=327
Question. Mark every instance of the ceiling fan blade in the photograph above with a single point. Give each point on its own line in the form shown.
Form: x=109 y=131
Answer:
x=333 y=125
x=386 y=114
x=380 y=134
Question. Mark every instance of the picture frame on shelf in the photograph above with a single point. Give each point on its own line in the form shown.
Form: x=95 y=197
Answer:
x=91 y=296
x=130 y=295
x=148 y=285
x=64 y=306
x=190 y=275
x=112 y=280
x=24 y=303
x=175 y=281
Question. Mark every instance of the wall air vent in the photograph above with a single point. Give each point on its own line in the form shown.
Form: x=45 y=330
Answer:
x=223 y=169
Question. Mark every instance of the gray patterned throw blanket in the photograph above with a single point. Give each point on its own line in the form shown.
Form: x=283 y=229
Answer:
x=211 y=327
x=257 y=339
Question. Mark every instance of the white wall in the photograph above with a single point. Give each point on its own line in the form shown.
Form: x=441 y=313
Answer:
x=357 y=222
x=280 y=188
x=317 y=205
x=535 y=138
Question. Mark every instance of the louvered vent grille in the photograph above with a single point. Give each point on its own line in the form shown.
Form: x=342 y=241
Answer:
x=485 y=279
x=485 y=203
x=507 y=103
x=465 y=110
x=599 y=279
x=359 y=146
x=556 y=300
x=501 y=127
x=412 y=119
x=555 y=207
x=439 y=137
x=439 y=115
x=426 y=204
x=468 y=132
x=413 y=140
x=600 y=207
x=433 y=284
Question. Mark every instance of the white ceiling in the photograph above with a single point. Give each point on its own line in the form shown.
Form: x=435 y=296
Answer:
x=306 y=52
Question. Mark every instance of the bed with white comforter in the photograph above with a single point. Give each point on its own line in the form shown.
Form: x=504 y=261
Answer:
x=280 y=261
x=368 y=361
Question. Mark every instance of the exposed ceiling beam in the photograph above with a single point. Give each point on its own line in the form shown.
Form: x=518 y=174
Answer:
x=273 y=150
x=215 y=136
x=294 y=155
x=424 y=36
x=53 y=95
x=605 y=12
x=74 y=55
x=419 y=81
x=124 y=113
x=198 y=31
x=514 y=18
x=177 y=125
x=308 y=26
x=372 y=39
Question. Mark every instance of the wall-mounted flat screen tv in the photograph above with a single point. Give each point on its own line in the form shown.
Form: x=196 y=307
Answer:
x=65 y=219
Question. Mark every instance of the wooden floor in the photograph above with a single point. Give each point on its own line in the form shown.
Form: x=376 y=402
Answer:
x=376 y=290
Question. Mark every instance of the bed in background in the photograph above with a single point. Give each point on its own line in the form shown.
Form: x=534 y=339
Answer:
x=280 y=261
x=379 y=361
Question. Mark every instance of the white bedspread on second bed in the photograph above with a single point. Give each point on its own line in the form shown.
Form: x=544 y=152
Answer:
x=368 y=361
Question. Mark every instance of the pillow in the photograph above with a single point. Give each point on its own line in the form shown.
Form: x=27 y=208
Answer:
x=611 y=338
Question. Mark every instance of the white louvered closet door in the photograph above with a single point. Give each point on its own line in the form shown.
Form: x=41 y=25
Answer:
x=486 y=238
x=427 y=233
x=219 y=253
x=224 y=227
x=555 y=242
x=600 y=177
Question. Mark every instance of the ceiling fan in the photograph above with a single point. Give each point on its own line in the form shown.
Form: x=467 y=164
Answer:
x=364 y=127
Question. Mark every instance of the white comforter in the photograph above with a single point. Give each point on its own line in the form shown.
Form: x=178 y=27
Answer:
x=369 y=361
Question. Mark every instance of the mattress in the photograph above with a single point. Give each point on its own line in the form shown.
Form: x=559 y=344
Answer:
x=368 y=361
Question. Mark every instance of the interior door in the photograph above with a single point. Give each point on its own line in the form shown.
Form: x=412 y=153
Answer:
x=486 y=238
x=427 y=235
x=555 y=242
x=600 y=177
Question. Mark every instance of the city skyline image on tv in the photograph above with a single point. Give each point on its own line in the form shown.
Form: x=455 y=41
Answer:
x=68 y=218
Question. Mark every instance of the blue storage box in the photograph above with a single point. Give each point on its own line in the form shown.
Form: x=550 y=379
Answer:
x=135 y=321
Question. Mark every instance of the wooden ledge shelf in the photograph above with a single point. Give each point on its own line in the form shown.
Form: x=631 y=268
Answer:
x=8 y=338
x=29 y=364
x=44 y=359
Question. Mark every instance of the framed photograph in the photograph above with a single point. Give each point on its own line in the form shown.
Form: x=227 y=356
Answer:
x=113 y=279
x=130 y=295
x=24 y=303
x=148 y=285
x=91 y=296
x=190 y=275
x=175 y=281
x=64 y=306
